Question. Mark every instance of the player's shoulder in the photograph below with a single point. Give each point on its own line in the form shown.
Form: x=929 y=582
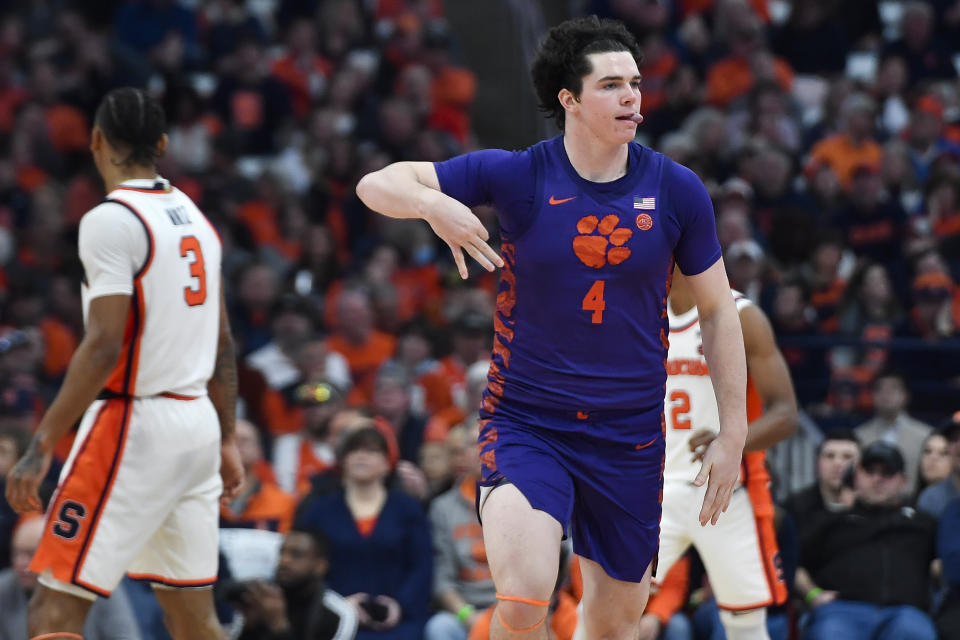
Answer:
x=110 y=217
x=674 y=174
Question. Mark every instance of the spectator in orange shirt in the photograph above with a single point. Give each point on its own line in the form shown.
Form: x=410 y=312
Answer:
x=364 y=347
x=853 y=146
x=748 y=63
x=261 y=504
x=445 y=384
x=303 y=70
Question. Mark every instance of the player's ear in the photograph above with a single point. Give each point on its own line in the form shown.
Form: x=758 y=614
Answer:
x=162 y=145
x=96 y=139
x=568 y=100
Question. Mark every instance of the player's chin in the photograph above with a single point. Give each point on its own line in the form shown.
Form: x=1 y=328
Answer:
x=625 y=131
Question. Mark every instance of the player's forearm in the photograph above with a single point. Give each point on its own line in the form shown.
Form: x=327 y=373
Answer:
x=87 y=374
x=723 y=349
x=222 y=387
x=395 y=191
x=779 y=422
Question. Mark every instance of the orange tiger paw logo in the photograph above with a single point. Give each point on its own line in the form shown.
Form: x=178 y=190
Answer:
x=606 y=245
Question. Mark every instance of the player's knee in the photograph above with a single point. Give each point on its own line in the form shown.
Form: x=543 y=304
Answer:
x=520 y=612
x=745 y=625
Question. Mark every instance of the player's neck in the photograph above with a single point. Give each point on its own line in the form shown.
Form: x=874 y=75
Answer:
x=113 y=177
x=594 y=161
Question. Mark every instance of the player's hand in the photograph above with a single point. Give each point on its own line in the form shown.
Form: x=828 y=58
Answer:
x=23 y=481
x=462 y=231
x=649 y=627
x=699 y=442
x=721 y=466
x=231 y=471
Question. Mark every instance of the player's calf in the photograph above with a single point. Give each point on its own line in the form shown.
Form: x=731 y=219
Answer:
x=55 y=614
x=745 y=625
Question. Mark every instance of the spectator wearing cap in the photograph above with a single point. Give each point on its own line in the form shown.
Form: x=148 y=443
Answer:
x=260 y=504
x=892 y=424
x=935 y=498
x=854 y=146
x=360 y=343
x=870 y=566
x=381 y=556
x=299 y=456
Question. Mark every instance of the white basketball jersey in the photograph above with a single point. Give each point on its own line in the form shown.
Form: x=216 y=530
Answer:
x=690 y=403
x=150 y=241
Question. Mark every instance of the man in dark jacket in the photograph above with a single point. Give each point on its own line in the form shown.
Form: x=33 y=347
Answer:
x=298 y=606
x=871 y=565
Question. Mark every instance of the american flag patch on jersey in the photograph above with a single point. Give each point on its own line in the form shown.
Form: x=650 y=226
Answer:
x=645 y=204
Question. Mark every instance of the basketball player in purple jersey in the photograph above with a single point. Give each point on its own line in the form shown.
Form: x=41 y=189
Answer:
x=572 y=419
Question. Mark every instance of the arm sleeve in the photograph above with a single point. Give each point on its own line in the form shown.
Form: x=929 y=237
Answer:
x=948 y=543
x=697 y=247
x=505 y=179
x=444 y=553
x=414 y=591
x=113 y=247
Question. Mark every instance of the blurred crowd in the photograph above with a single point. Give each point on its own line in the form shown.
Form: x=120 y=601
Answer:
x=827 y=132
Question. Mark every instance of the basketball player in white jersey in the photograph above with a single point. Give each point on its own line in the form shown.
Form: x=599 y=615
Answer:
x=154 y=379
x=740 y=552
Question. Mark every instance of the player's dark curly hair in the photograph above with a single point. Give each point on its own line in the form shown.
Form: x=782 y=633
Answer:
x=131 y=119
x=561 y=61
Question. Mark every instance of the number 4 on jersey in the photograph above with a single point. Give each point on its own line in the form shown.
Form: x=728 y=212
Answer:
x=593 y=301
x=190 y=246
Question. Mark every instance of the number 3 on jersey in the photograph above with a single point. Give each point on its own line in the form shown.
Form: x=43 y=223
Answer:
x=593 y=301
x=190 y=247
x=679 y=409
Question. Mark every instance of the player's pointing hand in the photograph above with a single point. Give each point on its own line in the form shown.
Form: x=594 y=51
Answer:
x=721 y=466
x=462 y=231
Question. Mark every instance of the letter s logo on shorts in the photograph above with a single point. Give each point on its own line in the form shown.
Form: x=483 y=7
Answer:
x=68 y=521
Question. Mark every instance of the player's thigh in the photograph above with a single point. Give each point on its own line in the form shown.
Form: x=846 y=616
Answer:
x=674 y=526
x=732 y=556
x=522 y=544
x=610 y=604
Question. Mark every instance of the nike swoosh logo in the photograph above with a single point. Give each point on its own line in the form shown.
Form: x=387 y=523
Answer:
x=553 y=200
x=645 y=444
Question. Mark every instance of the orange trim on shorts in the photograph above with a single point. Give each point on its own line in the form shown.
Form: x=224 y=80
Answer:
x=177 y=396
x=746 y=607
x=62 y=635
x=516 y=630
x=87 y=487
x=530 y=601
x=170 y=582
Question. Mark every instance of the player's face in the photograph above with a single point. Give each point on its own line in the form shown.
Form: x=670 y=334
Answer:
x=610 y=97
x=835 y=458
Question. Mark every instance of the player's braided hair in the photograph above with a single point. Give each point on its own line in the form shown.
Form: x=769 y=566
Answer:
x=131 y=119
x=561 y=61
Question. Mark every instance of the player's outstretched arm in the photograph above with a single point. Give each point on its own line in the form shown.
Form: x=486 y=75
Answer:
x=222 y=389
x=723 y=349
x=89 y=370
x=412 y=190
